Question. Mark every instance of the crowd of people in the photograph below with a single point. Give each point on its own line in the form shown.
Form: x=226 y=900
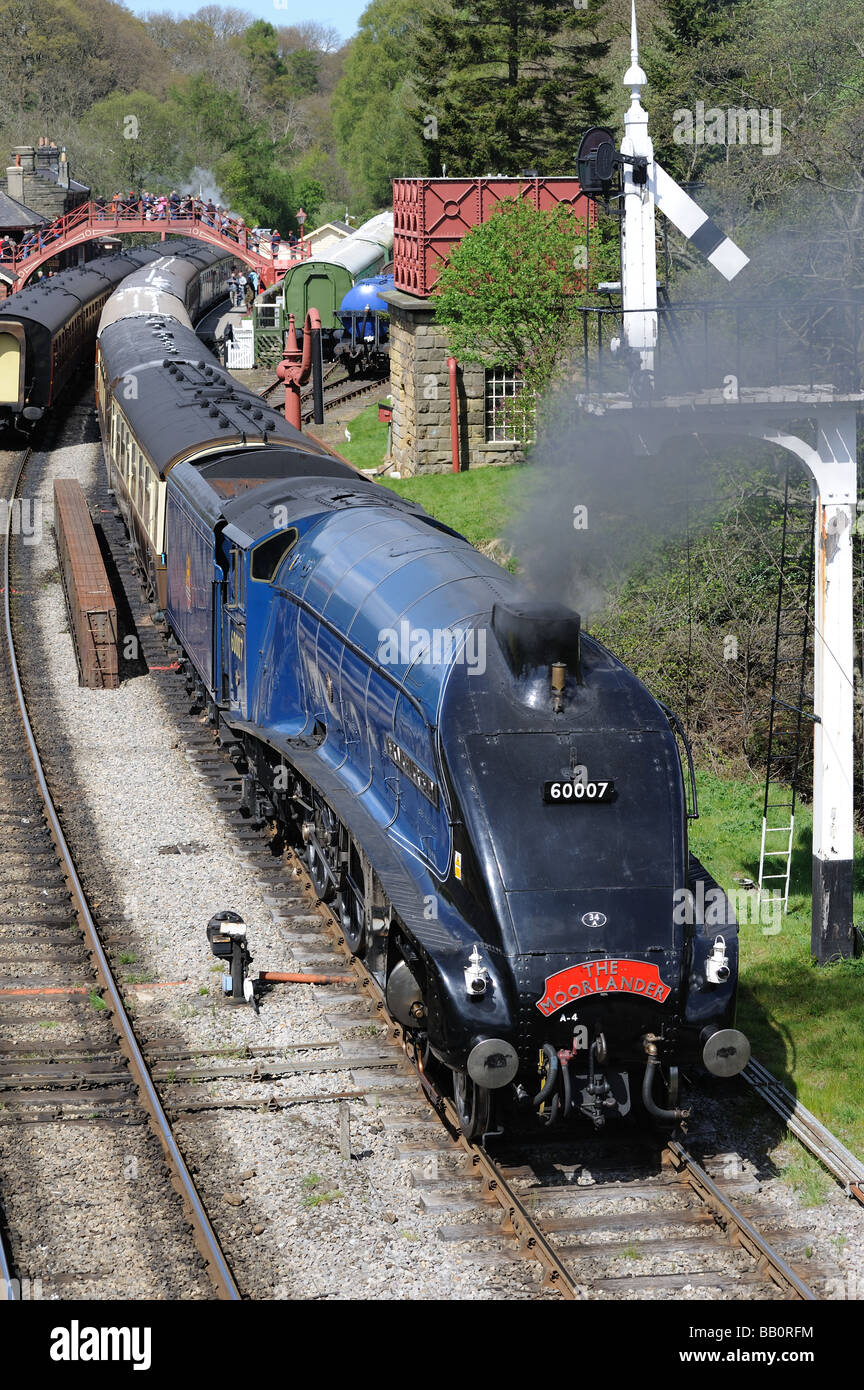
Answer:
x=170 y=207
x=36 y=240
x=243 y=286
x=161 y=207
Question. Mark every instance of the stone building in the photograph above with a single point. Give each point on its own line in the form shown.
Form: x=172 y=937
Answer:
x=39 y=178
x=421 y=438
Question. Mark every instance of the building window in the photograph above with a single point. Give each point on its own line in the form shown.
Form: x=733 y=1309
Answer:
x=506 y=421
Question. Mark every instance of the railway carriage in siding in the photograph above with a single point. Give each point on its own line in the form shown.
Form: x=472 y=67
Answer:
x=365 y=318
x=321 y=283
x=49 y=328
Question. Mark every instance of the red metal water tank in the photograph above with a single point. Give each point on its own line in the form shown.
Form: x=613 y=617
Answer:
x=431 y=215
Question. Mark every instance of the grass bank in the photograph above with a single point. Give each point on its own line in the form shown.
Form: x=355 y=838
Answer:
x=806 y=1023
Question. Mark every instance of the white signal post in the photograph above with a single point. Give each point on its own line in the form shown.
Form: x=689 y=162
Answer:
x=658 y=190
x=638 y=247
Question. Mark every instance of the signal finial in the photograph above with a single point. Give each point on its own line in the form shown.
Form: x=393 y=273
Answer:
x=634 y=77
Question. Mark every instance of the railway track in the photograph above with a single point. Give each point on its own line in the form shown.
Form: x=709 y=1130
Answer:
x=85 y=1145
x=570 y=1207
x=598 y=1225
x=847 y=1169
x=334 y=394
x=566 y=1203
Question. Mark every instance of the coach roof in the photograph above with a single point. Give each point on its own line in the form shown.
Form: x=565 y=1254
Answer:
x=179 y=400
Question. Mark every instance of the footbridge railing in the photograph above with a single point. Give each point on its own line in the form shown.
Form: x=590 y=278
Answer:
x=192 y=218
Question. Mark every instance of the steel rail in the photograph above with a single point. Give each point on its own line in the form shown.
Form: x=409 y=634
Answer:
x=528 y=1232
x=825 y=1146
x=524 y=1227
x=8 y=1287
x=736 y=1226
x=205 y=1237
x=362 y=390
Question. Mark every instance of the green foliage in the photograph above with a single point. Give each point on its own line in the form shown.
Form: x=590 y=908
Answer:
x=302 y=72
x=59 y=56
x=478 y=503
x=509 y=293
x=691 y=38
x=257 y=187
x=241 y=100
x=806 y=1022
x=378 y=135
x=510 y=84
x=796 y=206
x=128 y=140
x=254 y=183
x=277 y=79
x=310 y=195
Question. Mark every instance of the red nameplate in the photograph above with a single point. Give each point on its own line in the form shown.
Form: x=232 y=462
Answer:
x=603 y=977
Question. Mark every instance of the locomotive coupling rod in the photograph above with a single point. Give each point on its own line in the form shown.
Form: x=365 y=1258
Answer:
x=735 y=1223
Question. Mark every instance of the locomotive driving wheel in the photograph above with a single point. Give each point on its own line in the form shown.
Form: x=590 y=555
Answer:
x=321 y=852
x=473 y=1105
x=352 y=915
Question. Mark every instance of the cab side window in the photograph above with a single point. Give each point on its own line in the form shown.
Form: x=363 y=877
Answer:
x=268 y=555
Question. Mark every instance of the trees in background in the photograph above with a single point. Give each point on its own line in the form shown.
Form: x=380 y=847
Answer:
x=128 y=140
x=480 y=87
x=146 y=101
x=506 y=85
x=378 y=134
x=794 y=199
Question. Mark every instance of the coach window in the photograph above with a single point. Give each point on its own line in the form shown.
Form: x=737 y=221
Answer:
x=268 y=555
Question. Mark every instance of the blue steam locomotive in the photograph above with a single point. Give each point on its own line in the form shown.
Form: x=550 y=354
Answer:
x=495 y=805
